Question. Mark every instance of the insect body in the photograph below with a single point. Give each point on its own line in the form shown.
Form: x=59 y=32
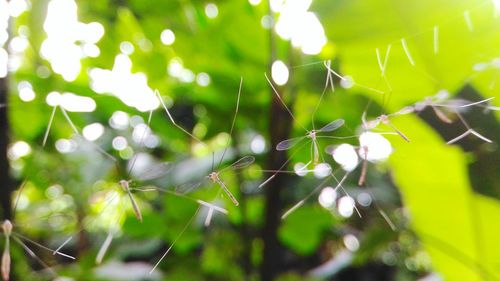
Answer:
x=385 y=119
x=7 y=230
x=313 y=136
x=214 y=176
x=137 y=211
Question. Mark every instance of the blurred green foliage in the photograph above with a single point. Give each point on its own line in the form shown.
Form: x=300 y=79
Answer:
x=444 y=229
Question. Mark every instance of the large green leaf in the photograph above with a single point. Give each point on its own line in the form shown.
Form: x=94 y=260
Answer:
x=458 y=227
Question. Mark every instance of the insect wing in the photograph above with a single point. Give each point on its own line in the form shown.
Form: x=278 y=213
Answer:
x=243 y=162
x=332 y=126
x=287 y=144
x=189 y=186
x=155 y=172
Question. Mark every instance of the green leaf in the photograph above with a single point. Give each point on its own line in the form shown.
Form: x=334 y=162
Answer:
x=457 y=226
x=303 y=229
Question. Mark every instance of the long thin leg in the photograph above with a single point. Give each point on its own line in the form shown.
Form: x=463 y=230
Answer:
x=282 y=166
x=46 y=135
x=104 y=248
x=229 y=194
x=44 y=247
x=175 y=241
x=175 y=124
x=232 y=123
x=34 y=256
x=283 y=102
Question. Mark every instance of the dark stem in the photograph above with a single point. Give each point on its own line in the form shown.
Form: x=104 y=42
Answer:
x=5 y=179
x=245 y=231
x=279 y=128
x=280 y=124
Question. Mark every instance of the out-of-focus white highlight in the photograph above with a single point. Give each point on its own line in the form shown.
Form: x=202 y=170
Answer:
x=254 y=2
x=53 y=98
x=4 y=58
x=322 y=170
x=17 y=7
x=211 y=10
x=351 y=242
x=347 y=82
x=119 y=120
x=279 y=73
x=18 y=44
x=119 y=143
x=496 y=4
x=203 y=79
x=327 y=197
x=63 y=31
x=346 y=206
x=93 y=131
x=126 y=48
x=18 y=149
x=66 y=146
x=71 y=102
x=364 y=199
x=91 y=50
x=26 y=92
x=300 y=169
x=143 y=135
x=258 y=144
x=130 y=88
x=167 y=37
x=92 y=32
x=267 y=22
x=276 y=5
x=374 y=147
x=141 y=131
x=75 y=103
x=302 y=27
x=345 y=155
x=177 y=70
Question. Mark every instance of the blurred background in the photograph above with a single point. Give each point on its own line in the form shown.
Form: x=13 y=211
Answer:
x=79 y=113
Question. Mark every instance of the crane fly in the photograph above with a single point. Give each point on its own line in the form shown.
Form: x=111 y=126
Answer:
x=211 y=207
x=386 y=120
x=137 y=211
x=7 y=229
x=312 y=135
x=434 y=102
x=155 y=172
x=214 y=177
x=128 y=189
x=439 y=102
